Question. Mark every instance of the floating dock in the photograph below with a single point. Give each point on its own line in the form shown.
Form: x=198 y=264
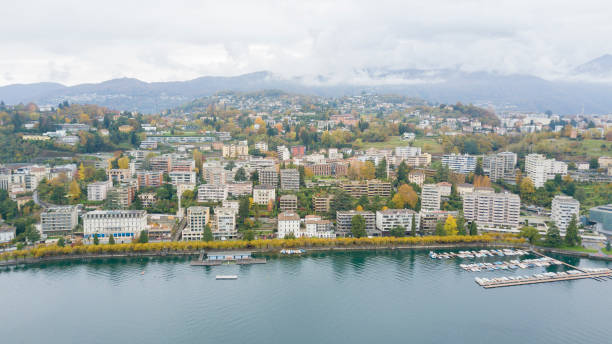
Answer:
x=477 y=254
x=546 y=277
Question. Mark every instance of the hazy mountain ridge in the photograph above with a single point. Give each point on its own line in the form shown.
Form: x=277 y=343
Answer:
x=521 y=92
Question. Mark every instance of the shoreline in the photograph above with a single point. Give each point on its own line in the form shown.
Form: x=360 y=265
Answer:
x=275 y=251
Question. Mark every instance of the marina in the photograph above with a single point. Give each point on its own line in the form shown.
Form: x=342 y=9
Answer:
x=477 y=254
x=511 y=265
x=226 y=257
x=598 y=273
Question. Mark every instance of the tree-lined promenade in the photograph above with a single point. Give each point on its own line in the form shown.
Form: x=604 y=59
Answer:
x=46 y=251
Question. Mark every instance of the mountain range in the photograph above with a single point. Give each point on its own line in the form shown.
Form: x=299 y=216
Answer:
x=588 y=89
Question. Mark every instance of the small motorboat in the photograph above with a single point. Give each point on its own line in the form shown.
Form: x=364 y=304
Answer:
x=227 y=277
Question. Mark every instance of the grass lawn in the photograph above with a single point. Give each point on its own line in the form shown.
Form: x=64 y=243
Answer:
x=609 y=253
x=429 y=145
x=578 y=249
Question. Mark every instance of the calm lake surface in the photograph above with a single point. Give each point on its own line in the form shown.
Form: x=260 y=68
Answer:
x=352 y=297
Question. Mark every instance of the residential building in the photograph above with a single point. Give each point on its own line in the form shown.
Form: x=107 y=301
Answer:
x=262 y=146
x=499 y=166
x=225 y=224
x=182 y=165
x=321 y=203
x=539 y=169
x=283 y=153
x=318 y=228
x=391 y=218
x=460 y=163
x=288 y=203
x=563 y=209
x=604 y=161
x=429 y=219
x=463 y=189
x=445 y=188
x=240 y=188
x=492 y=211
x=161 y=163
x=7 y=233
x=298 y=151
x=344 y=218
x=182 y=177
x=417 y=177
x=147 y=199
x=235 y=150
x=120 y=196
x=268 y=176
x=321 y=169
x=197 y=219
x=288 y=222
x=407 y=151
x=430 y=197
x=290 y=179
x=97 y=191
x=118 y=175
x=212 y=192
x=215 y=175
x=149 y=178
x=123 y=225
x=263 y=194
x=371 y=188
x=58 y=220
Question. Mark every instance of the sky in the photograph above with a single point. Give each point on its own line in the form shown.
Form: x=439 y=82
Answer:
x=72 y=42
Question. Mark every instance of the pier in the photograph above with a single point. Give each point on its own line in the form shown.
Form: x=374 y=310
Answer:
x=228 y=257
x=600 y=275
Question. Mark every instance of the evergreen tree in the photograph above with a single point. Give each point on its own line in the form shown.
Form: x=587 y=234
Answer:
x=61 y=242
x=358 y=226
x=249 y=235
x=479 y=171
x=96 y=241
x=402 y=173
x=111 y=240
x=208 y=235
x=473 y=228
x=461 y=225
x=398 y=231
x=440 y=228
x=608 y=246
x=381 y=169
x=241 y=175
x=143 y=238
x=413 y=226
x=243 y=209
x=553 y=236
x=289 y=235
x=571 y=233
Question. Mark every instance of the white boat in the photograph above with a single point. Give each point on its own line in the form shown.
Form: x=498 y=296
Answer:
x=227 y=277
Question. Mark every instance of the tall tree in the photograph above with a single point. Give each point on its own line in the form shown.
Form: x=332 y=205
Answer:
x=111 y=240
x=530 y=233
x=143 y=238
x=241 y=175
x=473 y=228
x=381 y=169
x=358 y=226
x=572 y=238
x=440 y=228
x=460 y=225
x=413 y=226
x=208 y=235
x=450 y=225
x=398 y=231
x=553 y=236
x=402 y=173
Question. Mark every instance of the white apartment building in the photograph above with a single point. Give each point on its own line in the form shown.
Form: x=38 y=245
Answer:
x=225 y=224
x=460 y=163
x=215 y=175
x=289 y=222
x=283 y=153
x=390 y=218
x=407 y=151
x=344 y=222
x=212 y=192
x=318 y=228
x=263 y=194
x=417 y=177
x=234 y=151
x=290 y=179
x=197 y=219
x=262 y=146
x=240 y=188
x=123 y=225
x=97 y=191
x=563 y=209
x=500 y=165
x=539 y=169
x=492 y=211
x=182 y=177
x=430 y=197
x=58 y=220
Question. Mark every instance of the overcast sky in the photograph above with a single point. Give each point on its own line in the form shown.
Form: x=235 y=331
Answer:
x=90 y=41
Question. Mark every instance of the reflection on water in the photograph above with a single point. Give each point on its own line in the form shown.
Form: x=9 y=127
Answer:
x=322 y=297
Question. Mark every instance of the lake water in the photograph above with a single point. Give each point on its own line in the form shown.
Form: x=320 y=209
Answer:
x=349 y=297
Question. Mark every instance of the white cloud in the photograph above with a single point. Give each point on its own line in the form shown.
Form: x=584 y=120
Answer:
x=74 y=41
